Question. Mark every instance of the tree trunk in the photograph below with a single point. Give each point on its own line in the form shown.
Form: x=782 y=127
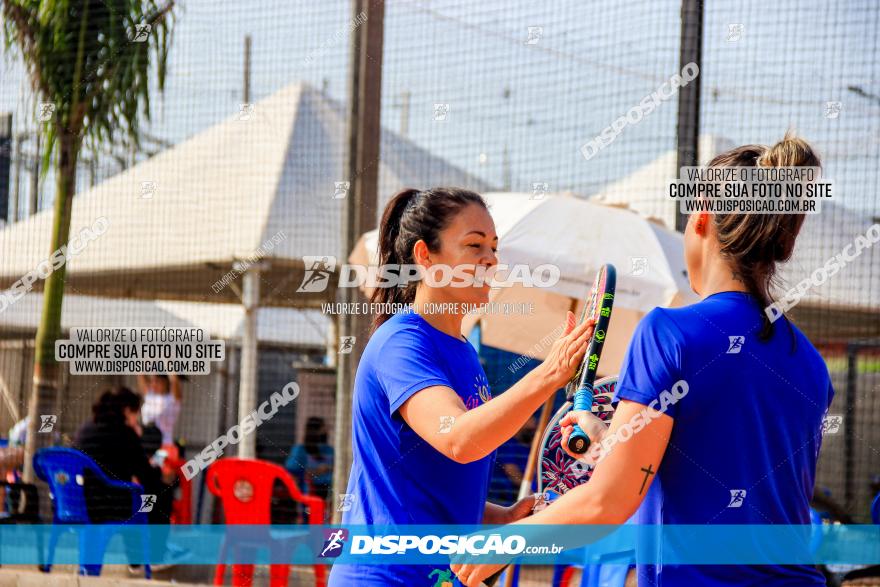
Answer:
x=45 y=383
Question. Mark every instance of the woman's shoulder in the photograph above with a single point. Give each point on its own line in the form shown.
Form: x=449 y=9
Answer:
x=690 y=323
x=665 y=322
x=402 y=329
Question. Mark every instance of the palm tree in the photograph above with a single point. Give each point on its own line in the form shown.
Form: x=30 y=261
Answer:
x=89 y=61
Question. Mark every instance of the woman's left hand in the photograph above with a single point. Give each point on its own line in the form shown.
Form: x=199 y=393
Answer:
x=566 y=354
x=473 y=575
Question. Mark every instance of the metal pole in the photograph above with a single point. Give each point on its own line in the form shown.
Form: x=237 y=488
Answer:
x=344 y=381
x=849 y=437
x=16 y=184
x=688 y=126
x=250 y=299
x=405 y=99
x=7 y=145
x=525 y=486
x=247 y=387
x=332 y=344
x=35 y=177
x=364 y=134
x=246 y=94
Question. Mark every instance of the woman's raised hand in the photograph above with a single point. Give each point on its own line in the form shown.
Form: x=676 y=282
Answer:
x=567 y=352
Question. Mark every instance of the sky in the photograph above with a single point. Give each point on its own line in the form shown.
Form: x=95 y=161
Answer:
x=517 y=112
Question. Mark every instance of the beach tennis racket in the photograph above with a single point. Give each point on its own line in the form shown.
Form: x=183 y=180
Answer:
x=558 y=472
x=563 y=472
x=597 y=309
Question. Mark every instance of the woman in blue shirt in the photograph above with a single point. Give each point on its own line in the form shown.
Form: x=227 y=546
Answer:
x=424 y=424
x=739 y=399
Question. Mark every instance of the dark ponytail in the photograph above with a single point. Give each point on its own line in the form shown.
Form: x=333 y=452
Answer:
x=755 y=243
x=413 y=215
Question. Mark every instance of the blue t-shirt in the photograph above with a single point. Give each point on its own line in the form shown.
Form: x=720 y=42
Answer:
x=396 y=477
x=746 y=435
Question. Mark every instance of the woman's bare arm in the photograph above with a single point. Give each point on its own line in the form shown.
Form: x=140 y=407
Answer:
x=439 y=417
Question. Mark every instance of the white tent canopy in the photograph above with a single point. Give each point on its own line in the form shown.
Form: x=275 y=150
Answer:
x=644 y=190
x=259 y=185
x=301 y=328
x=851 y=294
x=216 y=198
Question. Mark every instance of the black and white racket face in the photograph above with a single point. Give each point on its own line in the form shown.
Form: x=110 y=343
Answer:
x=557 y=471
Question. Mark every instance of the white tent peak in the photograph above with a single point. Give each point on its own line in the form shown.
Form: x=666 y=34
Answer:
x=822 y=236
x=219 y=195
x=643 y=190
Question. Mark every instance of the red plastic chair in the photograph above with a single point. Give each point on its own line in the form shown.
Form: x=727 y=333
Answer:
x=245 y=488
x=181 y=508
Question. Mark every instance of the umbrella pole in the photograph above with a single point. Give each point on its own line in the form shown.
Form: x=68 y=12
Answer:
x=247 y=389
x=532 y=464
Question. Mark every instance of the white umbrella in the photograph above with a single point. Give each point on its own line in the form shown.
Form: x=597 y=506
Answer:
x=577 y=236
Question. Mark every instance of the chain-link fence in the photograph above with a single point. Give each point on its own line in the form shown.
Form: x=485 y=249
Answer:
x=241 y=172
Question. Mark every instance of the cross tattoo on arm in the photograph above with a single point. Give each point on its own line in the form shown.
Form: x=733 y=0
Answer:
x=647 y=471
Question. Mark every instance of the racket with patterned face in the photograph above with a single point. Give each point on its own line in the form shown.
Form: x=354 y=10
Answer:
x=559 y=472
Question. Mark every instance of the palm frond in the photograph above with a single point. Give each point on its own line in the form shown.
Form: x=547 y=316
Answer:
x=92 y=59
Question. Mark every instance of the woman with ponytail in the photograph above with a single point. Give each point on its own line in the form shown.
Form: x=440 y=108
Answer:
x=739 y=434
x=424 y=424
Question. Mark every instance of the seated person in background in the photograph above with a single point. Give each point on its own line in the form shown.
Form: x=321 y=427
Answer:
x=162 y=398
x=510 y=465
x=12 y=455
x=11 y=459
x=18 y=433
x=112 y=439
x=311 y=463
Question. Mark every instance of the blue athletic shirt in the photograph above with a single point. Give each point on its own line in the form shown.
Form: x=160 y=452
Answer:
x=396 y=477
x=746 y=436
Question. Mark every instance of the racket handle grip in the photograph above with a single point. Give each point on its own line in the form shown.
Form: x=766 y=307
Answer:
x=579 y=442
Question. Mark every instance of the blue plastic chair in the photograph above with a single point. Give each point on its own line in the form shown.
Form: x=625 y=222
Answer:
x=64 y=470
